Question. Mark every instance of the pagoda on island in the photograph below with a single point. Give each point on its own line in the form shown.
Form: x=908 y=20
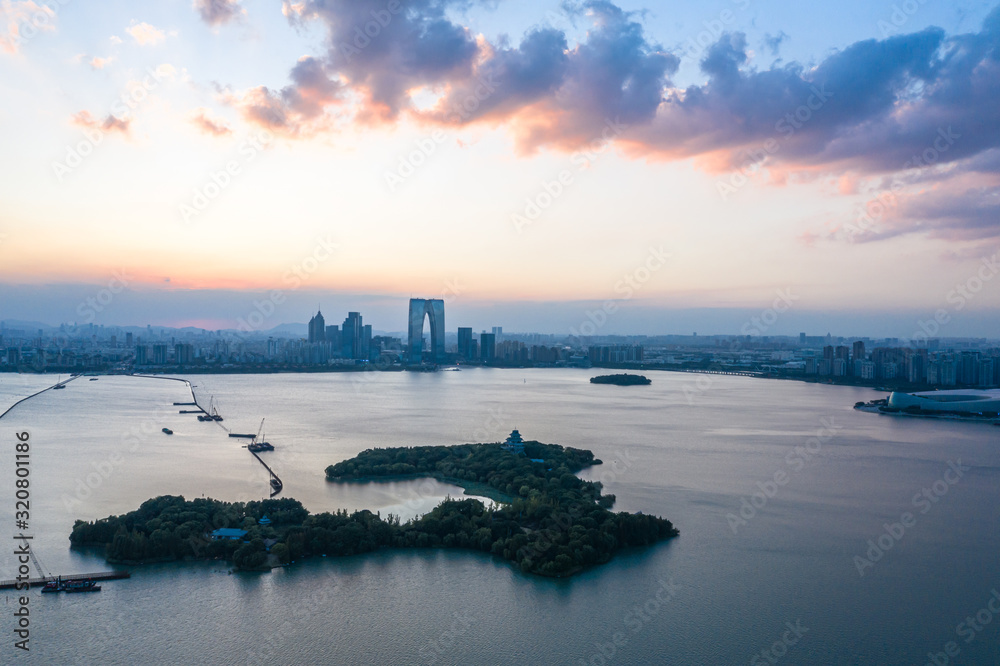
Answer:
x=514 y=443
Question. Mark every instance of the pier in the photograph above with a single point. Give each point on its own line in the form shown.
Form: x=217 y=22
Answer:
x=56 y=385
x=193 y=403
x=275 y=489
x=10 y=584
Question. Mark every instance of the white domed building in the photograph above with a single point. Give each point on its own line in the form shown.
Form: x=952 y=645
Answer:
x=986 y=403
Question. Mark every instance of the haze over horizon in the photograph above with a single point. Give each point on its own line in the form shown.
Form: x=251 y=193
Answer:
x=529 y=162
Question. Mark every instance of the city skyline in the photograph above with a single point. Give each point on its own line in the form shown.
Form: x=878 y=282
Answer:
x=690 y=159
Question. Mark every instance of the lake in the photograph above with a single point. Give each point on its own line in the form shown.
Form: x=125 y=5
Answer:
x=790 y=506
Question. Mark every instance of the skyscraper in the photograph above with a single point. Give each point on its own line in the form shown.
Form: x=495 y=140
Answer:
x=333 y=337
x=465 y=343
x=317 y=328
x=351 y=335
x=432 y=309
x=487 y=346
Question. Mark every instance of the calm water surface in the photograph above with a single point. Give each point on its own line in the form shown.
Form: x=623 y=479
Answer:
x=690 y=455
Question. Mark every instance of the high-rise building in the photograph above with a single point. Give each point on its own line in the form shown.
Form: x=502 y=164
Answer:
x=498 y=333
x=333 y=338
x=858 y=353
x=420 y=309
x=366 y=342
x=465 y=343
x=142 y=355
x=487 y=346
x=183 y=353
x=351 y=334
x=160 y=354
x=968 y=369
x=317 y=328
x=128 y=340
x=916 y=368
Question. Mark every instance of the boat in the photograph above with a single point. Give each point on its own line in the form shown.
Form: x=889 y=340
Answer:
x=71 y=585
x=168 y=431
x=276 y=485
x=82 y=585
x=59 y=386
x=93 y=379
x=257 y=444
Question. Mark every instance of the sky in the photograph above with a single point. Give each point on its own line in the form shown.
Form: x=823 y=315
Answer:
x=541 y=163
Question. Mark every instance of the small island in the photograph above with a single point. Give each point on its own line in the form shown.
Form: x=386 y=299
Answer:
x=550 y=522
x=622 y=380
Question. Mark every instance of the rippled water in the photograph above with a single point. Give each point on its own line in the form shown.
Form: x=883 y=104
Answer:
x=674 y=448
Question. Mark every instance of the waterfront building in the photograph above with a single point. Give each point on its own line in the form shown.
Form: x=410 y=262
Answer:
x=616 y=354
x=514 y=443
x=963 y=401
x=465 y=343
x=432 y=309
x=351 y=336
x=487 y=346
x=317 y=328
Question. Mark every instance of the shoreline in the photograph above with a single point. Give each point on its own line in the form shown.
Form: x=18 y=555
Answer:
x=175 y=372
x=470 y=488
